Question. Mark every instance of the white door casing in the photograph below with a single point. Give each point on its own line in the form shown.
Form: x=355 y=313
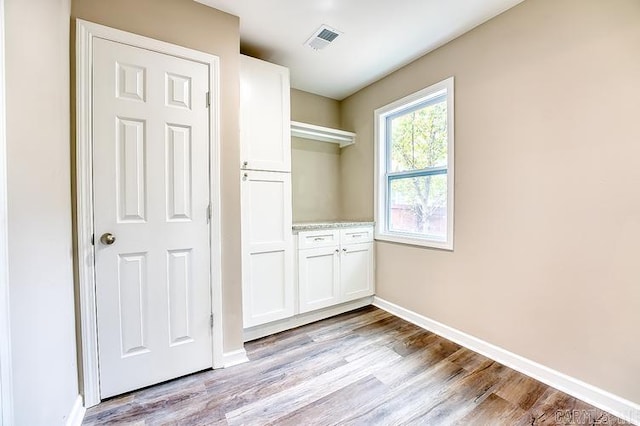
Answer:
x=6 y=385
x=265 y=129
x=183 y=148
x=267 y=247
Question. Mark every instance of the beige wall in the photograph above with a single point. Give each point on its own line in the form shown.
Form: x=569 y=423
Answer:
x=314 y=109
x=190 y=24
x=45 y=383
x=547 y=209
x=315 y=165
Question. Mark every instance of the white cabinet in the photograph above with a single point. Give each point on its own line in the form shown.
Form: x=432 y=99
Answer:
x=265 y=134
x=318 y=278
x=267 y=247
x=267 y=244
x=356 y=270
x=334 y=266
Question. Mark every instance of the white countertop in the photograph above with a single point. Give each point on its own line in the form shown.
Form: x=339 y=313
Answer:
x=329 y=224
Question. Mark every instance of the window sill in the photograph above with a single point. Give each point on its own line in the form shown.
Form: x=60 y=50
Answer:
x=400 y=239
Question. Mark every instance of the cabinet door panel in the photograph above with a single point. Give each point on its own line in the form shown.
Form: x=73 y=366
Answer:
x=318 y=278
x=266 y=298
x=266 y=204
x=265 y=135
x=267 y=247
x=356 y=271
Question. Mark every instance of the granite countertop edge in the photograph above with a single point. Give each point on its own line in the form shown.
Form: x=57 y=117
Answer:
x=310 y=226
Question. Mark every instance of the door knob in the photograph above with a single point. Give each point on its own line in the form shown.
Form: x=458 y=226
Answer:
x=107 y=238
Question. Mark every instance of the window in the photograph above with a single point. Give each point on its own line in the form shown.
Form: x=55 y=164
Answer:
x=414 y=168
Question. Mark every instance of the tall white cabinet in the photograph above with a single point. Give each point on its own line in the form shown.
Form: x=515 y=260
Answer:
x=265 y=152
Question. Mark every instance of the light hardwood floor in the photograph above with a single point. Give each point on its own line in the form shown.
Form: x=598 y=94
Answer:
x=365 y=367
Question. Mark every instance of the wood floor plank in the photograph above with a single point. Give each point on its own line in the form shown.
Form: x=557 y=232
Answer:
x=408 y=399
x=411 y=366
x=267 y=347
x=413 y=342
x=493 y=410
x=461 y=397
x=246 y=372
x=365 y=367
x=266 y=386
x=336 y=405
x=342 y=328
x=271 y=408
x=550 y=402
x=521 y=390
x=468 y=359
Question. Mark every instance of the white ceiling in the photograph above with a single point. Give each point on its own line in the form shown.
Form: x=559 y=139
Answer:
x=379 y=36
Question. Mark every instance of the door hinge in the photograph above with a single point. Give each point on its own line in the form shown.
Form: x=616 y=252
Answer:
x=209 y=213
x=92 y=240
x=208 y=99
x=211 y=320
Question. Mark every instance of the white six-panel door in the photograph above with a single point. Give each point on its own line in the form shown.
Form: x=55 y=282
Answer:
x=267 y=254
x=151 y=193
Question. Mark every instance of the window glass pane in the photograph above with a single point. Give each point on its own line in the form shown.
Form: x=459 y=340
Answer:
x=418 y=205
x=419 y=137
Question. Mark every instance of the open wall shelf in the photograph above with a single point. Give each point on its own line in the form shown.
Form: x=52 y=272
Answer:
x=323 y=134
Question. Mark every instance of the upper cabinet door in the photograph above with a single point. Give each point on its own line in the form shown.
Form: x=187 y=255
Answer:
x=265 y=133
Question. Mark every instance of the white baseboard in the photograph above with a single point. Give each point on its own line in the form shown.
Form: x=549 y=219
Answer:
x=303 y=319
x=76 y=415
x=620 y=407
x=229 y=359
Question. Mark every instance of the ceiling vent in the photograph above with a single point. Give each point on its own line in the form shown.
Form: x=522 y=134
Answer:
x=322 y=37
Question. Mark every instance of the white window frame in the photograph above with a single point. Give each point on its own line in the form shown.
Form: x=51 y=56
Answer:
x=382 y=231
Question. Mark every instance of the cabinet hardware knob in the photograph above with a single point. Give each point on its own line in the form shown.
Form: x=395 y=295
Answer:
x=337 y=251
x=344 y=249
x=245 y=176
x=245 y=164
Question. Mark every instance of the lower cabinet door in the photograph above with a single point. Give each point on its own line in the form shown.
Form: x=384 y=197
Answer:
x=267 y=293
x=267 y=248
x=318 y=278
x=356 y=271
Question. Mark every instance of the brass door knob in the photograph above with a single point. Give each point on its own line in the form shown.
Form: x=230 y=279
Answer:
x=107 y=238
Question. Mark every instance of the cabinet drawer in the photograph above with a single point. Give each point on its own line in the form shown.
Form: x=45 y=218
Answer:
x=319 y=238
x=356 y=235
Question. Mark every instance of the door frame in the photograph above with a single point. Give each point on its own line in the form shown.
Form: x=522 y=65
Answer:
x=85 y=261
x=6 y=381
